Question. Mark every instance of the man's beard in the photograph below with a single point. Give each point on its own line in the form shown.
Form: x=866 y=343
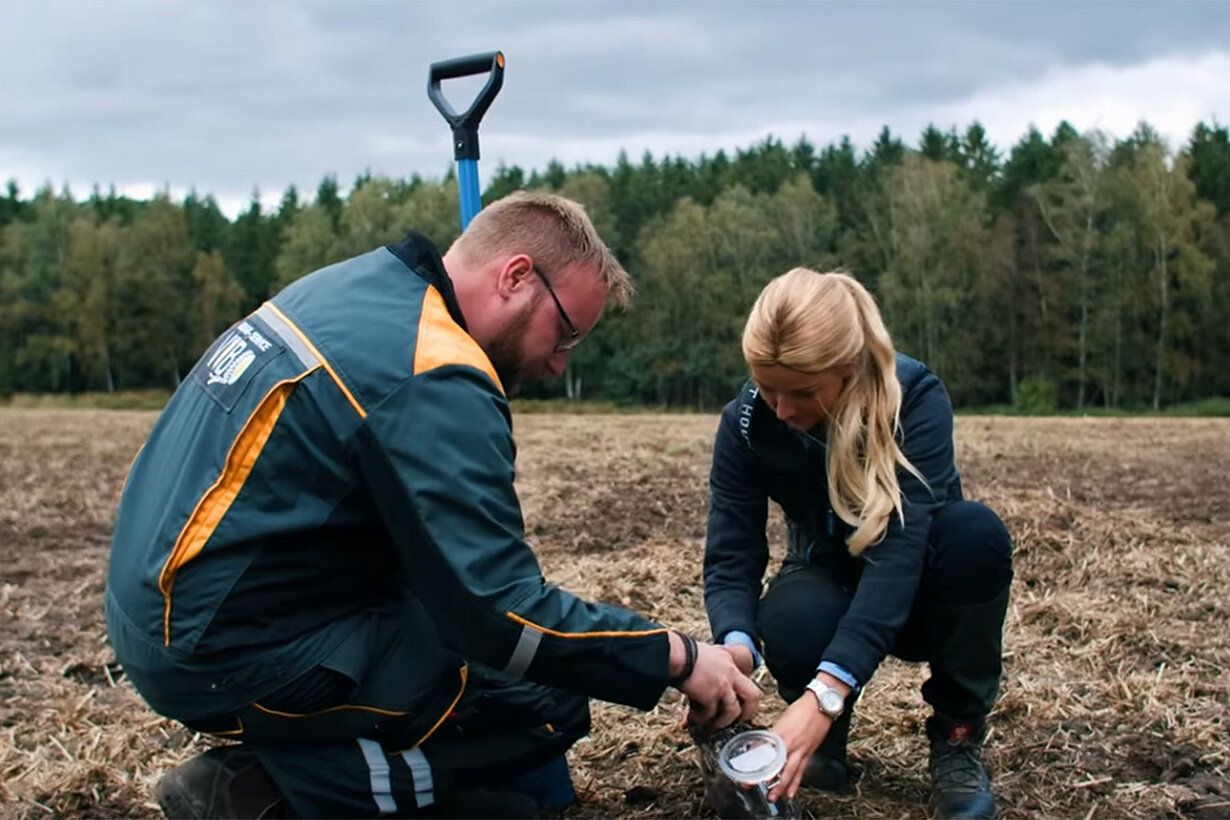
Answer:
x=507 y=351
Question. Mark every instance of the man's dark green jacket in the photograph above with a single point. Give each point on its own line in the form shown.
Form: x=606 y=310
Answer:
x=346 y=450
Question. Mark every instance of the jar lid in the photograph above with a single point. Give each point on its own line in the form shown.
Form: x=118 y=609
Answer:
x=755 y=756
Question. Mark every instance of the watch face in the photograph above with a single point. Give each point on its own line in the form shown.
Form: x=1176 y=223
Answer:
x=832 y=701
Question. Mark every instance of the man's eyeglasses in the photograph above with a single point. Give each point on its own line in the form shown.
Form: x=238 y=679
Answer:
x=574 y=335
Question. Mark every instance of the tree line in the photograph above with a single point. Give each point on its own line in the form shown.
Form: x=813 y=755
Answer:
x=1077 y=271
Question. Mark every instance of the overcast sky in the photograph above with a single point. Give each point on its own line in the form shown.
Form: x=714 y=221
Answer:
x=225 y=96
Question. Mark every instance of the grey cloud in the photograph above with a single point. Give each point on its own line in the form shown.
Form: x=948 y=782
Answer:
x=225 y=96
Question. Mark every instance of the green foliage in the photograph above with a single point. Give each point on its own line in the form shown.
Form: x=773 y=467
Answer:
x=1212 y=406
x=250 y=252
x=329 y=200
x=1072 y=274
x=114 y=207
x=978 y=158
x=86 y=301
x=1032 y=160
x=506 y=180
x=1210 y=165
x=208 y=228
x=309 y=243
x=1037 y=395
x=939 y=146
x=1072 y=205
x=11 y=206
x=936 y=245
x=432 y=209
x=153 y=292
x=218 y=299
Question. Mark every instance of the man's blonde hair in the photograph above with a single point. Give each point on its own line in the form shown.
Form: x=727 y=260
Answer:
x=811 y=322
x=553 y=230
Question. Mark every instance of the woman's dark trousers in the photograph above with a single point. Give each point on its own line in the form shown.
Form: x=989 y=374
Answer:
x=956 y=623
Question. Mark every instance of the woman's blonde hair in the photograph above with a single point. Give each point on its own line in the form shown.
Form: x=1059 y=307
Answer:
x=810 y=322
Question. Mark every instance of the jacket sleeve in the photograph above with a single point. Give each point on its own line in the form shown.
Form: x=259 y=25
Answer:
x=736 y=551
x=893 y=568
x=438 y=456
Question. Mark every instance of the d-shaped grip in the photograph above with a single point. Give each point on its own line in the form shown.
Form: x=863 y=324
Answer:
x=465 y=125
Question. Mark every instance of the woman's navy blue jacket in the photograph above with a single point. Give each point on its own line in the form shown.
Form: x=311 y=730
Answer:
x=757 y=457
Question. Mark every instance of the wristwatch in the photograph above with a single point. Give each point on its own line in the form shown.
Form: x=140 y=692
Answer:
x=831 y=701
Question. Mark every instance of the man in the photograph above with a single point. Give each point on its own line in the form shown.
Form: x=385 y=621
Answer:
x=319 y=551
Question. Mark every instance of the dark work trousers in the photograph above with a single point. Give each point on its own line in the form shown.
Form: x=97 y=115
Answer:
x=334 y=753
x=956 y=624
x=499 y=730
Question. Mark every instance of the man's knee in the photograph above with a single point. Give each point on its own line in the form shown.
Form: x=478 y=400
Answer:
x=570 y=714
x=495 y=703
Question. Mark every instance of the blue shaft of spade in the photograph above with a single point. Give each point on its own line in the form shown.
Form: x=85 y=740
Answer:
x=465 y=124
x=467 y=187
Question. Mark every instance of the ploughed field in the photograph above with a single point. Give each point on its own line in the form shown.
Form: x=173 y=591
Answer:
x=1116 y=653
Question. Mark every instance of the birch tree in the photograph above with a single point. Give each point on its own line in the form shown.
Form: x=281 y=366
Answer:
x=1071 y=205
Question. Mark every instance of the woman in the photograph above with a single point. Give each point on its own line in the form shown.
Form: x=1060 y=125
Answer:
x=854 y=442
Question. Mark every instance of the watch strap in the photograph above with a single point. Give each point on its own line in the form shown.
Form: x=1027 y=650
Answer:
x=819 y=688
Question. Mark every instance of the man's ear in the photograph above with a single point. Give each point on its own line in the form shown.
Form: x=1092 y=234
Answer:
x=514 y=275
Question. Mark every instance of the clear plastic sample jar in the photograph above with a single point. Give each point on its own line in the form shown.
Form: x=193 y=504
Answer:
x=754 y=758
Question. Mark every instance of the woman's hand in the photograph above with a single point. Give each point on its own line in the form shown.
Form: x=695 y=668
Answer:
x=803 y=727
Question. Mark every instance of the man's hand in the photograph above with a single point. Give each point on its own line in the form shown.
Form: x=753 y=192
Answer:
x=718 y=692
x=742 y=656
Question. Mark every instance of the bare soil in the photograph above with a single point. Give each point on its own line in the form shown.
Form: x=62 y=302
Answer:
x=1115 y=693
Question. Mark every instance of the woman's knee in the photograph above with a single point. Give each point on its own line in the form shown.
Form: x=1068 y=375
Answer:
x=797 y=620
x=970 y=550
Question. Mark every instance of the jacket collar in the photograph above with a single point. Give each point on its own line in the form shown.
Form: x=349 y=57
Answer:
x=419 y=254
x=757 y=421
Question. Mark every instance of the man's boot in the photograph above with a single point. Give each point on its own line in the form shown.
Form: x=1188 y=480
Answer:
x=966 y=642
x=483 y=804
x=550 y=785
x=226 y=783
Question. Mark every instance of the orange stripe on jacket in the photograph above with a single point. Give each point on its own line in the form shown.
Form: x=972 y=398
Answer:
x=441 y=341
x=512 y=616
x=214 y=504
x=341 y=385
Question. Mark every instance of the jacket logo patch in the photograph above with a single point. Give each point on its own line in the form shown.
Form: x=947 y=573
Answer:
x=241 y=351
x=229 y=363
